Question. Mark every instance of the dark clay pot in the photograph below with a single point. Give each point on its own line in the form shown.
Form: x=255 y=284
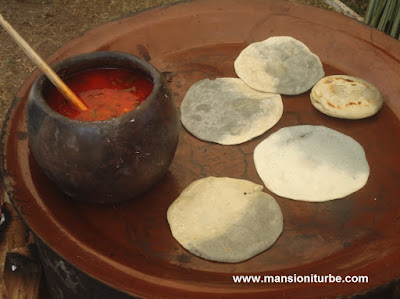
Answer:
x=111 y=160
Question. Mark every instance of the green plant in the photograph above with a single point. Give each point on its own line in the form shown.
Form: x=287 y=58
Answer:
x=385 y=16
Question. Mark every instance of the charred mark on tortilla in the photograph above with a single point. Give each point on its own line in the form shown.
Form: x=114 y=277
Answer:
x=304 y=135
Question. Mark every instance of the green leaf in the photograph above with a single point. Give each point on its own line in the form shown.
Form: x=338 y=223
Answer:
x=394 y=32
x=378 y=13
x=384 y=21
x=372 y=5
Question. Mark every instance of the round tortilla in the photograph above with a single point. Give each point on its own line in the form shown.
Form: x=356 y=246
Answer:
x=224 y=219
x=346 y=97
x=279 y=64
x=227 y=111
x=311 y=163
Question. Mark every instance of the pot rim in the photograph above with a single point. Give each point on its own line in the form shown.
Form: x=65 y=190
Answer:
x=36 y=92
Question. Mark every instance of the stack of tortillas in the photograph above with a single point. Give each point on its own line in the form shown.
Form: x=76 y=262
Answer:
x=346 y=97
x=224 y=219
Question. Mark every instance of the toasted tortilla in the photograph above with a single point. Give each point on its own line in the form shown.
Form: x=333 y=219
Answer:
x=346 y=97
x=224 y=219
x=311 y=163
x=279 y=64
x=227 y=111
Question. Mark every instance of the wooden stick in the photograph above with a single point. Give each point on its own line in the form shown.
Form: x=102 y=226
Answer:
x=45 y=68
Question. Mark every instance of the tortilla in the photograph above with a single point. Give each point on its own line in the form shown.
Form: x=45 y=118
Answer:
x=346 y=97
x=311 y=163
x=279 y=64
x=227 y=111
x=224 y=219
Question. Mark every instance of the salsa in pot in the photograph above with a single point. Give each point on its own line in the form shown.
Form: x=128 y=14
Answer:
x=106 y=92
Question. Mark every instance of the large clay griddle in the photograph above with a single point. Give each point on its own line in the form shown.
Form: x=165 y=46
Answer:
x=129 y=246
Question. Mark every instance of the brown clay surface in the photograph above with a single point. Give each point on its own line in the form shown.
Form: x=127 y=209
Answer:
x=129 y=245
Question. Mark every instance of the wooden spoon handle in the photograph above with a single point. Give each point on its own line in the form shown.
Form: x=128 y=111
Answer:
x=45 y=68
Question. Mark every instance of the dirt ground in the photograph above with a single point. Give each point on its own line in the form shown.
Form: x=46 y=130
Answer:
x=48 y=24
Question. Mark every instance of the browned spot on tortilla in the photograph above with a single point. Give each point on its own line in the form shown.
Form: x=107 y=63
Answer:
x=353 y=103
x=344 y=79
x=330 y=104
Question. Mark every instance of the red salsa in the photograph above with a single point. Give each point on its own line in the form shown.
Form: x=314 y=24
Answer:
x=106 y=92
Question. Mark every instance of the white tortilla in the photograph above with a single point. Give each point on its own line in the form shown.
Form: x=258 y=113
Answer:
x=279 y=64
x=346 y=97
x=227 y=111
x=311 y=163
x=224 y=219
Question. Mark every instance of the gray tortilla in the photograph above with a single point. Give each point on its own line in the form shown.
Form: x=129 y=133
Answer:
x=224 y=219
x=227 y=111
x=311 y=163
x=279 y=64
x=346 y=97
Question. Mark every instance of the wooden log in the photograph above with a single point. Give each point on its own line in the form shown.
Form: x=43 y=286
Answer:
x=20 y=268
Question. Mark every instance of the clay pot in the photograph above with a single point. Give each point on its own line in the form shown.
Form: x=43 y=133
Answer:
x=104 y=161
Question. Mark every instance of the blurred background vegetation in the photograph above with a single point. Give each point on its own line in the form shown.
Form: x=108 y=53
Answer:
x=385 y=16
x=381 y=14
